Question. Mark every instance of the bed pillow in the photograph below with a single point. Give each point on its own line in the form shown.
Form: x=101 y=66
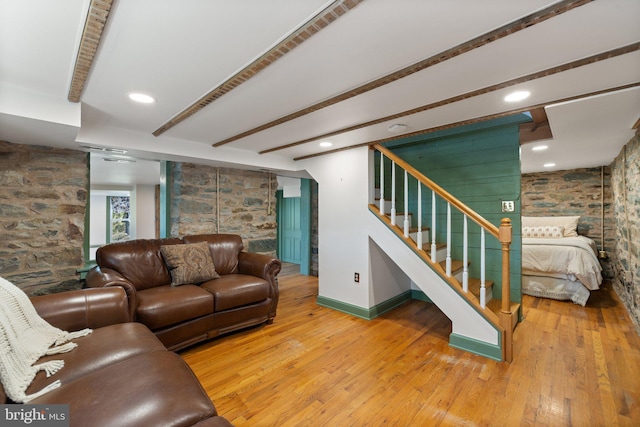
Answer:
x=568 y=223
x=189 y=263
x=543 y=231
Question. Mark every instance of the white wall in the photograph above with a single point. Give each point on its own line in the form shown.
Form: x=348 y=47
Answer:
x=343 y=240
x=145 y=207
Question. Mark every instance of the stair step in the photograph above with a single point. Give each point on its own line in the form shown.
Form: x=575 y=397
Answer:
x=495 y=305
x=474 y=288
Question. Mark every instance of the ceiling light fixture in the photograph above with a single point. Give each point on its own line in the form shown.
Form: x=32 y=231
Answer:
x=540 y=148
x=142 y=98
x=398 y=127
x=549 y=165
x=326 y=144
x=119 y=160
x=104 y=149
x=517 y=96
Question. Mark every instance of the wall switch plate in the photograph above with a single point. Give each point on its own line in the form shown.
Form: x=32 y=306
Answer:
x=508 y=206
x=356 y=277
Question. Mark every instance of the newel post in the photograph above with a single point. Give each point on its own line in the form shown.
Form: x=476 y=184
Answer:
x=504 y=236
x=506 y=317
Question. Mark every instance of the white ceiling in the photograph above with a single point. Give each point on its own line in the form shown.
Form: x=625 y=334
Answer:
x=179 y=51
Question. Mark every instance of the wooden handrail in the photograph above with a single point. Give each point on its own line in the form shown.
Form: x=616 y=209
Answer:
x=440 y=191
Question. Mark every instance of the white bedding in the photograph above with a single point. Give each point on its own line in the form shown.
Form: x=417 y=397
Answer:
x=566 y=257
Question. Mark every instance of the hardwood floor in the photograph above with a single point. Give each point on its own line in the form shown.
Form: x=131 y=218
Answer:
x=573 y=366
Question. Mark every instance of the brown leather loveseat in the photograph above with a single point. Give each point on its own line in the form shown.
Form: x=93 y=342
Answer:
x=241 y=292
x=120 y=374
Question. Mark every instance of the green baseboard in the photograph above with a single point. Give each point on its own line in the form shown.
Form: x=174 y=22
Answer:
x=474 y=346
x=419 y=295
x=365 y=313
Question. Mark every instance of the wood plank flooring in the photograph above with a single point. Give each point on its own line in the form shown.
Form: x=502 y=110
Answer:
x=573 y=366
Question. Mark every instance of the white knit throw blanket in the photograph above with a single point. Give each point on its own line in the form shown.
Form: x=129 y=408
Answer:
x=24 y=338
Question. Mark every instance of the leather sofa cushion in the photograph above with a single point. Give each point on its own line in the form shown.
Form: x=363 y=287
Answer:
x=103 y=347
x=225 y=249
x=167 y=393
x=140 y=261
x=236 y=290
x=168 y=305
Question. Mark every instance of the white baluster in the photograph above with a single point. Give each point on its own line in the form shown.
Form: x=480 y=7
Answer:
x=433 y=226
x=465 y=256
x=406 y=204
x=448 y=259
x=393 y=193
x=419 y=235
x=483 y=298
x=382 y=184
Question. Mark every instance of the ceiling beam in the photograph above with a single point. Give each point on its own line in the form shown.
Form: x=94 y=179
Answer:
x=537 y=75
x=471 y=121
x=311 y=27
x=482 y=40
x=91 y=35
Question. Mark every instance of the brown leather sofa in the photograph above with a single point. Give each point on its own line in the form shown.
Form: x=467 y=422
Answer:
x=120 y=374
x=245 y=294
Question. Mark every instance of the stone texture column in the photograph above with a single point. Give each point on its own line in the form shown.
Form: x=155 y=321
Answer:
x=43 y=197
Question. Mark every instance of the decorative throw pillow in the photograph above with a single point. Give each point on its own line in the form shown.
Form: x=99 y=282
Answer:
x=548 y=231
x=569 y=223
x=189 y=263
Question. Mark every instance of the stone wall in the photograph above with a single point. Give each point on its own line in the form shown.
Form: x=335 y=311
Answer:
x=625 y=177
x=575 y=192
x=43 y=196
x=242 y=202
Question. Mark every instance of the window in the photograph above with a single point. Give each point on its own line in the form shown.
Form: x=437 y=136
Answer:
x=119 y=219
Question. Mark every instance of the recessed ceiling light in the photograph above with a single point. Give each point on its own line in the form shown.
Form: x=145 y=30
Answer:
x=326 y=144
x=540 y=147
x=142 y=98
x=398 y=127
x=517 y=96
x=549 y=165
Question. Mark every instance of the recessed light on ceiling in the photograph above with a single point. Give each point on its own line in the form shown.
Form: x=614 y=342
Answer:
x=540 y=148
x=326 y=144
x=517 y=96
x=142 y=98
x=549 y=165
x=398 y=127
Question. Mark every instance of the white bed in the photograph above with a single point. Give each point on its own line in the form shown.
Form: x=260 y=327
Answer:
x=556 y=262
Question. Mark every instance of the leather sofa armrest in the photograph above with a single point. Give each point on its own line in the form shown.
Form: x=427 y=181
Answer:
x=99 y=277
x=266 y=267
x=260 y=265
x=83 y=308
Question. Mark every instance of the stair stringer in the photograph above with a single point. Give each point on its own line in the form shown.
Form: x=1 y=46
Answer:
x=470 y=330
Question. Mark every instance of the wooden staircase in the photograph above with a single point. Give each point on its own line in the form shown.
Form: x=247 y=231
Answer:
x=498 y=310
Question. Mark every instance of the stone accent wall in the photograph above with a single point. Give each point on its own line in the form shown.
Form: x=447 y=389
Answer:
x=240 y=202
x=43 y=197
x=575 y=192
x=625 y=177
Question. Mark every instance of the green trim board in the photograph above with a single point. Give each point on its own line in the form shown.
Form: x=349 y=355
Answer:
x=365 y=313
x=419 y=295
x=477 y=347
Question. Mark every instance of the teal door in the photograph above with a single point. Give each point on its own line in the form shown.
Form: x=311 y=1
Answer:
x=291 y=232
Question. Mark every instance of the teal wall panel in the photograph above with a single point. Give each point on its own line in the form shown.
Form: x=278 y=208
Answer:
x=479 y=165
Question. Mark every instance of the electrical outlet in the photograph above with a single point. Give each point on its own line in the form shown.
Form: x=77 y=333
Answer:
x=356 y=277
x=508 y=206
